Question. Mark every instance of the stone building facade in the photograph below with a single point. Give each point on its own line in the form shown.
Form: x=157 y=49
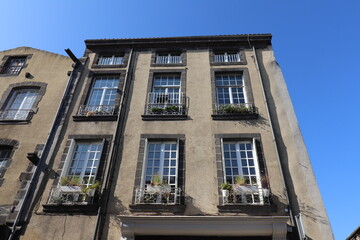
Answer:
x=178 y=138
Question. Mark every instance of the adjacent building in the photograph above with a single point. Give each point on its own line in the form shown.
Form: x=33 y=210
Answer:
x=32 y=84
x=177 y=138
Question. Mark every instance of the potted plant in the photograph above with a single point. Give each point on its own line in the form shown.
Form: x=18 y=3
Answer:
x=265 y=184
x=241 y=184
x=157 y=110
x=90 y=113
x=172 y=109
x=90 y=190
x=225 y=189
x=70 y=184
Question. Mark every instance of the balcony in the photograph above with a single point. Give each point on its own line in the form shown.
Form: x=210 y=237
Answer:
x=168 y=59
x=234 y=111
x=71 y=199
x=225 y=58
x=246 y=195
x=166 y=106
x=96 y=113
x=16 y=115
x=161 y=194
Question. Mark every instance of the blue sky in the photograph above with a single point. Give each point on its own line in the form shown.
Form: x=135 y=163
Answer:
x=317 y=44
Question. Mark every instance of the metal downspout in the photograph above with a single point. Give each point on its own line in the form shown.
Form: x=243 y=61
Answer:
x=41 y=165
x=117 y=139
x=272 y=133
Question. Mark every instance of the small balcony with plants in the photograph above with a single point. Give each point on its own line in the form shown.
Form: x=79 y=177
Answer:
x=158 y=196
x=72 y=195
x=95 y=112
x=235 y=111
x=243 y=193
x=166 y=106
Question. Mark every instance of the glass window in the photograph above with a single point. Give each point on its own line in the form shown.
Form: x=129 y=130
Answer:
x=168 y=58
x=20 y=104
x=111 y=60
x=4 y=157
x=103 y=91
x=85 y=162
x=230 y=89
x=162 y=162
x=13 y=66
x=166 y=89
x=226 y=57
x=240 y=161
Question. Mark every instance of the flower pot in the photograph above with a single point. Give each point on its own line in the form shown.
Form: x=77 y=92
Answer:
x=225 y=193
x=91 y=192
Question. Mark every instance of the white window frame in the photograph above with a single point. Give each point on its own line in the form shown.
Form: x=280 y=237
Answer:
x=112 y=60
x=166 y=87
x=70 y=156
x=238 y=158
x=230 y=87
x=103 y=94
x=170 y=57
x=161 y=166
x=226 y=56
x=25 y=104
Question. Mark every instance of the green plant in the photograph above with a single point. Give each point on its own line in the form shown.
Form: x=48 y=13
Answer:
x=156 y=180
x=94 y=186
x=226 y=186
x=70 y=181
x=230 y=108
x=157 y=110
x=240 y=180
x=172 y=108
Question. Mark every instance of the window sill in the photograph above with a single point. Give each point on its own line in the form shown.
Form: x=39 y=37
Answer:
x=167 y=64
x=109 y=66
x=227 y=63
x=157 y=208
x=235 y=116
x=162 y=117
x=87 y=209
x=9 y=75
x=95 y=118
x=248 y=209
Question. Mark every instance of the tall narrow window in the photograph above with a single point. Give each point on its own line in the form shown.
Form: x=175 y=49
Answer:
x=101 y=100
x=230 y=89
x=20 y=104
x=85 y=162
x=13 y=66
x=111 y=60
x=166 y=89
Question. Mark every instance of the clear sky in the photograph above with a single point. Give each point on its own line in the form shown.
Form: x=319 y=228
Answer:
x=317 y=44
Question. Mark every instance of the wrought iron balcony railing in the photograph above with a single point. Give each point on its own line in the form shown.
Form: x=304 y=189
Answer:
x=243 y=108
x=70 y=195
x=16 y=114
x=166 y=104
x=227 y=57
x=96 y=110
x=160 y=194
x=246 y=195
x=168 y=59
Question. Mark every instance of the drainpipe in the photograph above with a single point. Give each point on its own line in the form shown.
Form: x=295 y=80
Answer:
x=272 y=131
x=41 y=166
x=115 y=151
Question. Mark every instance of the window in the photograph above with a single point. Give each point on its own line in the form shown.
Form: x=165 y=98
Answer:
x=168 y=58
x=4 y=157
x=232 y=96
x=166 y=97
x=241 y=166
x=226 y=56
x=78 y=182
x=102 y=97
x=84 y=162
x=111 y=60
x=20 y=104
x=13 y=66
x=160 y=176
